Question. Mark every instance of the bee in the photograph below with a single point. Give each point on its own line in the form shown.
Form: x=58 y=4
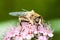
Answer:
x=29 y=16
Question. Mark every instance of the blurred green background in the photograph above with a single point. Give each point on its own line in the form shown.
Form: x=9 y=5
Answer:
x=49 y=9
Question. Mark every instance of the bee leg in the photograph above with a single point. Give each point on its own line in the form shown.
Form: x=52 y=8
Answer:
x=40 y=22
x=20 y=21
x=20 y=24
x=30 y=20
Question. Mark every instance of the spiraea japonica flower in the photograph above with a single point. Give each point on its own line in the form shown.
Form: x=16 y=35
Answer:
x=28 y=31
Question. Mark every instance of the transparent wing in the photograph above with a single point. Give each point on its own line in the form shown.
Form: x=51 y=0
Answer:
x=17 y=13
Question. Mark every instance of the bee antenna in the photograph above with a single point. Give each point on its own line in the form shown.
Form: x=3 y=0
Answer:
x=24 y=10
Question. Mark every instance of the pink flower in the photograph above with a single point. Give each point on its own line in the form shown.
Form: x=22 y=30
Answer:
x=42 y=38
x=28 y=31
x=45 y=30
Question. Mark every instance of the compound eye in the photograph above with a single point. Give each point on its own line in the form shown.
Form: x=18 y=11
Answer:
x=37 y=19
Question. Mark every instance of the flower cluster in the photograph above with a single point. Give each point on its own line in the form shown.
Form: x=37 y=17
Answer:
x=27 y=31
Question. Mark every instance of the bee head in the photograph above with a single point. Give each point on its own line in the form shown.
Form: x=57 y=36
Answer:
x=37 y=18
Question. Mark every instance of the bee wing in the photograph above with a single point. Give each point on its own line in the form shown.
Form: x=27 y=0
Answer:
x=17 y=13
